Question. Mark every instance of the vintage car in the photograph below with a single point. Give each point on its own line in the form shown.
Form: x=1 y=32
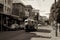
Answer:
x=30 y=25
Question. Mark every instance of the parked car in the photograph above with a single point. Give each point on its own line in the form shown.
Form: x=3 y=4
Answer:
x=22 y=26
x=14 y=26
x=39 y=25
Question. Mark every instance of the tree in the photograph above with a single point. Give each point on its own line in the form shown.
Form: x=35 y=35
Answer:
x=55 y=11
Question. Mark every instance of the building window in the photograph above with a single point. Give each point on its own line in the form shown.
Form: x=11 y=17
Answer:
x=9 y=2
x=5 y=1
x=28 y=10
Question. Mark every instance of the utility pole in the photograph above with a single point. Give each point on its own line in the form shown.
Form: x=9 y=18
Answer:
x=55 y=10
x=56 y=31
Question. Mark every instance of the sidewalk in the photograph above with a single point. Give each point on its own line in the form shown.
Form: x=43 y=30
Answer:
x=54 y=35
x=45 y=34
x=55 y=38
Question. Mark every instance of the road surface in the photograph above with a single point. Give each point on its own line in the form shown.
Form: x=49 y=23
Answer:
x=43 y=33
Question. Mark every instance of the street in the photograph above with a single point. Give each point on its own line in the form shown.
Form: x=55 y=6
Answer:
x=44 y=32
x=29 y=20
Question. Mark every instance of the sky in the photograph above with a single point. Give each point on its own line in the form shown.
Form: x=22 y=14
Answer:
x=42 y=5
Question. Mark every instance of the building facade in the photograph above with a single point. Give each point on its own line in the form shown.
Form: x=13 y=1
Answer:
x=29 y=9
x=26 y=12
x=19 y=10
x=5 y=12
x=7 y=6
x=35 y=14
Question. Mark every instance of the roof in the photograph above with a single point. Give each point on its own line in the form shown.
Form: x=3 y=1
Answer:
x=29 y=6
x=19 y=4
